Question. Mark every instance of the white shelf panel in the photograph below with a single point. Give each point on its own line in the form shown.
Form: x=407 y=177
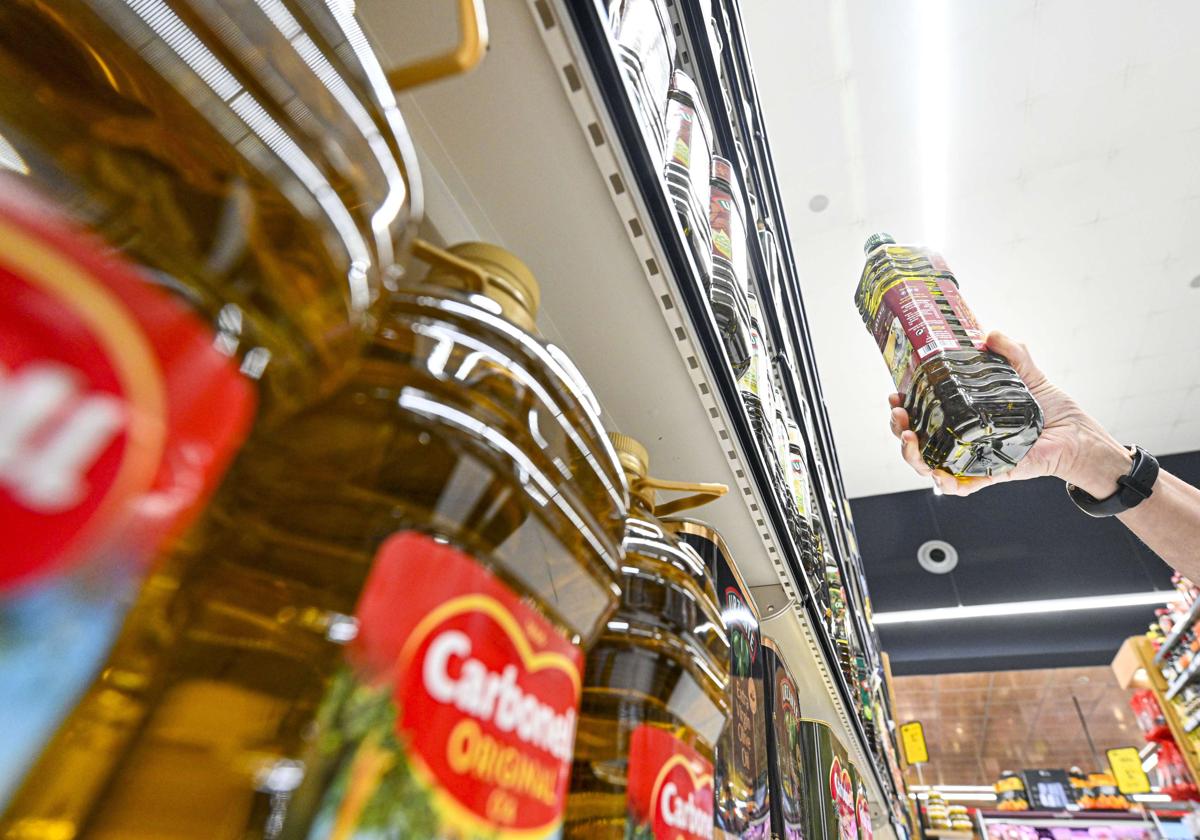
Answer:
x=521 y=152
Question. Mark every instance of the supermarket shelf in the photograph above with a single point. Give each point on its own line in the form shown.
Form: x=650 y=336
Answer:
x=947 y=834
x=1180 y=628
x=741 y=128
x=529 y=153
x=1177 y=685
x=1140 y=649
x=1051 y=818
x=590 y=26
x=726 y=81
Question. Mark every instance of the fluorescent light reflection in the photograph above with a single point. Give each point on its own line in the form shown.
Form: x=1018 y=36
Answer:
x=1051 y=605
x=932 y=106
x=953 y=788
x=951 y=796
x=984 y=793
x=11 y=159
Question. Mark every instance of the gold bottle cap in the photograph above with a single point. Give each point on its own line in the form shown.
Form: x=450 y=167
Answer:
x=489 y=270
x=633 y=456
x=635 y=460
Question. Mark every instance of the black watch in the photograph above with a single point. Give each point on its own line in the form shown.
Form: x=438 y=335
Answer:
x=1132 y=488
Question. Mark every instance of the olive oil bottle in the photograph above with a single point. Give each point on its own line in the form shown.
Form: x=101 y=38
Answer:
x=201 y=215
x=655 y=696
x=785 y=752
x=387 y=597
x=972 y=413
x=742 y=807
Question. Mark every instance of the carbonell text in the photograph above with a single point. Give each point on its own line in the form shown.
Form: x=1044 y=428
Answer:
x=51 y=433
x=685 y=815
x=494 y=697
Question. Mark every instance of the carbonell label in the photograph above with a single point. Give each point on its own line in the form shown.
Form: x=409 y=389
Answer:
x=474 y=696
x=117 y=415
x=492 y=697
x=670 y=788
x=841 y=790
x=863 y=808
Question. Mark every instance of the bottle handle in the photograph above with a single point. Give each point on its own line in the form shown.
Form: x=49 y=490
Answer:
x=471 y=47
x=433 y=255
x=700 y=494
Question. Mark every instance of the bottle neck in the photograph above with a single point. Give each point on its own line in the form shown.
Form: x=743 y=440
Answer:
x=486 y=270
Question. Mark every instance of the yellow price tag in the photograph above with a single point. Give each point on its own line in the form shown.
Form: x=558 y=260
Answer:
x=912 y=736
x=1127 y=769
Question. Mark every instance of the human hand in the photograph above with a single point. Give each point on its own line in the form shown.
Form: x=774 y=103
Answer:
x=1072 y=446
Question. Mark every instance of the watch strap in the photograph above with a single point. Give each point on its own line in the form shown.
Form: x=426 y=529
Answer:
x=1132 y=488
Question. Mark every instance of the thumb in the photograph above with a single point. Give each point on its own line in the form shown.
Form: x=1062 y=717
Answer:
x=1018 y=356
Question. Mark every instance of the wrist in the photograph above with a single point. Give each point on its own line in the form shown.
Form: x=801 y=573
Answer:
x=1099 y=460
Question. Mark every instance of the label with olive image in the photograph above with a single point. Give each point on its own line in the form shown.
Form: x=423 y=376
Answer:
x=456 y=716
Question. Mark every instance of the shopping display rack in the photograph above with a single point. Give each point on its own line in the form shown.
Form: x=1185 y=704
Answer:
x=540 y=151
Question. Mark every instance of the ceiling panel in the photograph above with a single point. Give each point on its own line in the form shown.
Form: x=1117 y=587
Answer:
x=1073 y=190
x=1016 y=542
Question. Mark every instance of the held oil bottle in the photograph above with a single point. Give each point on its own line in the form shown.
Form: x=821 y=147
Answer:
x=191 y=223
x=655 y=686
x=382 y=602
x=972 y=414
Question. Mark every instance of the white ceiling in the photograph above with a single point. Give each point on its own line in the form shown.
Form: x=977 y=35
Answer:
x=1073 y=192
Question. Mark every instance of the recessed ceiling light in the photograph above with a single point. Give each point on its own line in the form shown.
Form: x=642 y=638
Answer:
x=818 y=202
x=937 y=557
x=1195 y=284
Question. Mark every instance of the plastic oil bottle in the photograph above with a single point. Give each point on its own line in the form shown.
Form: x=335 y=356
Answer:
x=972 y=414
x=655 y=687
x=388 y=596
x=188 y=251
x=803 y=531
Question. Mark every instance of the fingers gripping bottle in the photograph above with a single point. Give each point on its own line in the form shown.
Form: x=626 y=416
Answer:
x=972 y=413
x=376 y=627
x=655 y=685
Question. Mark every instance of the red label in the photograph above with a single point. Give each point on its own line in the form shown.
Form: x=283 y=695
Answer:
x=720 y=217
x=486 y=694
x=670 y=787
x=865 y=831
x=680 y=120
x=118 y=414
x=915 y=323
x=841 y=791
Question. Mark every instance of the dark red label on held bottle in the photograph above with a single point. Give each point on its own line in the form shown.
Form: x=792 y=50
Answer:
x=918 y=319
x=670 y=787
